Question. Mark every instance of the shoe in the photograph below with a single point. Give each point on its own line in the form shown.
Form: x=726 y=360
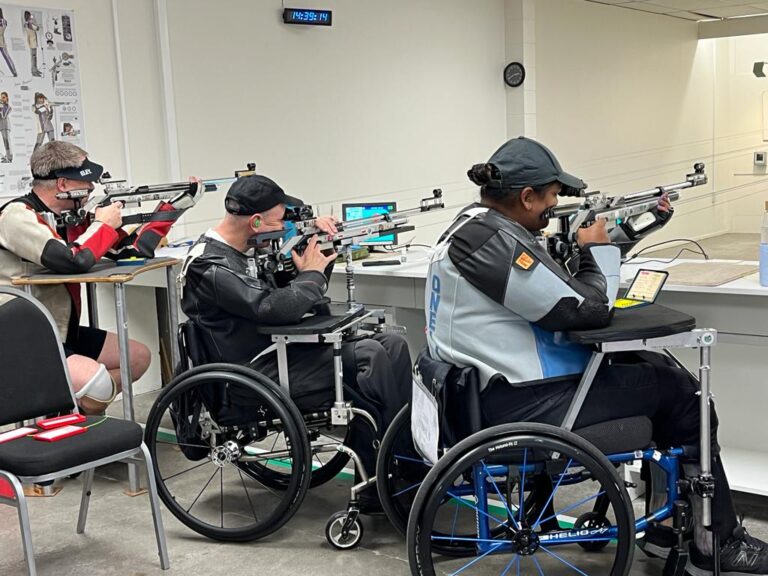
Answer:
x=742 y=555
x=658 y=541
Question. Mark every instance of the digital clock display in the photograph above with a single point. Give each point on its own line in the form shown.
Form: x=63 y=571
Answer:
x=310 y=17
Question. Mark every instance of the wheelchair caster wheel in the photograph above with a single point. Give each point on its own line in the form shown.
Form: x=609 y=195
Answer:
x=344 y=530
x=592 y=520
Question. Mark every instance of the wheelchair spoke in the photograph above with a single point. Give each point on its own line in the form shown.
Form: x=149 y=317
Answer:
x=521 y=509
x=515 y=558
x=407 y=489
x=483 y=555
x=572 y=506
x=202 y=490
x=455 y=517
x=544 y=548
x=552 y=494
x=277 y=437
x=260 y=483
x=460 y=500
x=247 y=495
x=195 y=467
x=409 y=459
x=221 y=487
x=538 y=566
x=468 y=539
x=182 y=444
x=503 y=500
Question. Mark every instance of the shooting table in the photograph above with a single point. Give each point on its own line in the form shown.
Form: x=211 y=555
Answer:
x=737 y=309
x=107 y=272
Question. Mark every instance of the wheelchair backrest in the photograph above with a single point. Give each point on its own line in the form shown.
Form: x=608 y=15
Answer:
x=192 y=348
x=457 y=391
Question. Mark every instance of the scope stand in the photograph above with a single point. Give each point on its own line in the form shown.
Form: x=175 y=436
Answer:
x=349 y=269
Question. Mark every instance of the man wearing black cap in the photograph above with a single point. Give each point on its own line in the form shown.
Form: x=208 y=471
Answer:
x=227 y=299
x=34 y=236
x=532 y=377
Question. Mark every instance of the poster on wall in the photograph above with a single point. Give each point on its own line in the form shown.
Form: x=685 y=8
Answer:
x=40 y=98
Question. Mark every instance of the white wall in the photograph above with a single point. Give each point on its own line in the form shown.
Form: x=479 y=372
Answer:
x=625 y=101
x=739 y=130
x=385 y=104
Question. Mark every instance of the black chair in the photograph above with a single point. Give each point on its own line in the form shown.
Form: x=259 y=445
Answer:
x=34 y=382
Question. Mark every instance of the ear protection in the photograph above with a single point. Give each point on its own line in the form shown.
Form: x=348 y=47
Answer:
x=255 y=221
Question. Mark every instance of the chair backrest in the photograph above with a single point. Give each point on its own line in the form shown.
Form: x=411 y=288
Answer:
x=33 y=376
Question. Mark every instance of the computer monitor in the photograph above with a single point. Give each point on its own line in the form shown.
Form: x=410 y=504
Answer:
x=366 y=210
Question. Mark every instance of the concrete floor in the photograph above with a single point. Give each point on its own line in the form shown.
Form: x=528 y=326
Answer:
x=119 y=537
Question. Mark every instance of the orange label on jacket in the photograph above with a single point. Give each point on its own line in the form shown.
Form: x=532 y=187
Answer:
x=524 y=261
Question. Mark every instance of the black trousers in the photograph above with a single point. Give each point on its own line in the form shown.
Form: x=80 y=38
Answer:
x=625 y=385
x=383 y=379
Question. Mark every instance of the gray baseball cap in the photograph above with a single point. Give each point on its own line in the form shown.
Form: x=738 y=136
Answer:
x=524 y=162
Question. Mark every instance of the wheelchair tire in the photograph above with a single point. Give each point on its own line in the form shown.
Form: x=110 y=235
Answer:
x=400 y=470
x=211 y=495
x=516 y=450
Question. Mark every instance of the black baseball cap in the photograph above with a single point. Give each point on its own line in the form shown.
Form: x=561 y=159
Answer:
x=86 y=172
x=252 y=194
x=524 y=162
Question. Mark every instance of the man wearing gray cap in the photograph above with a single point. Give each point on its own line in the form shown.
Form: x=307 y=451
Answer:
x=227 y=300
x=534 y=375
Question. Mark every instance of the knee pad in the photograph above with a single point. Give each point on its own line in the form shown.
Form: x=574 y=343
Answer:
x=100 y=388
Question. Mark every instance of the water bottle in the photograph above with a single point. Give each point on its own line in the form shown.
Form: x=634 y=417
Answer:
x=764 y=249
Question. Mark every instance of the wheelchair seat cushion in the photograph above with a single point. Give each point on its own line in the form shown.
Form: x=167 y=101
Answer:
x=30 y=457
x=622 y=435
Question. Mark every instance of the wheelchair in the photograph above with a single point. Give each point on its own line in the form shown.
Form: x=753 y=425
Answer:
x=234 y=456
x=527 y=498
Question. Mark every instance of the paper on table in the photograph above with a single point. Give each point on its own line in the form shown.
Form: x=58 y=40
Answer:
x=708 y=273
x=172 y=252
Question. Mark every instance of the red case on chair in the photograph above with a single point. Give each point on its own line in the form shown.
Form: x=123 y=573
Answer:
x=59 y=433
x=58 y=421
x=15 y=434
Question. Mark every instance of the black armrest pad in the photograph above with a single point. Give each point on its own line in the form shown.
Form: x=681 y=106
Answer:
x=652 y=321
x=312 y=325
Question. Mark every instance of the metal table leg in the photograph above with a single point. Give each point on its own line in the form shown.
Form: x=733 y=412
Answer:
x=121 y=310
x=173 y=314
x=93 y=306
x=705 y=398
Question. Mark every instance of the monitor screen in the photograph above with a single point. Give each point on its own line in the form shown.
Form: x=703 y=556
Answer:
x=366 y=210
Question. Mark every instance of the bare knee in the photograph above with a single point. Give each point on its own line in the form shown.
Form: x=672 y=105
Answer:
x=81 y=370
x=141 y=357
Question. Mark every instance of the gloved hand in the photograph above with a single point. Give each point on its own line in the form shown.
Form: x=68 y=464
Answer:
x=189 y=197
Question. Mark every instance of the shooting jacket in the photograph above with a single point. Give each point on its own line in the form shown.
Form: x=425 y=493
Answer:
x=496 y=300
x=228 y=304
x=32 y=241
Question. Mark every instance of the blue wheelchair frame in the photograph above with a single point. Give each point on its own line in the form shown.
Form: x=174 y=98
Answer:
x=483 y=486
x=668 y=461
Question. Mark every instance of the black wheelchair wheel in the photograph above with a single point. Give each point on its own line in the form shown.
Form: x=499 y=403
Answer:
x=548 y=544
x=202 y=428
x=325 y=465
x=400 y=470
